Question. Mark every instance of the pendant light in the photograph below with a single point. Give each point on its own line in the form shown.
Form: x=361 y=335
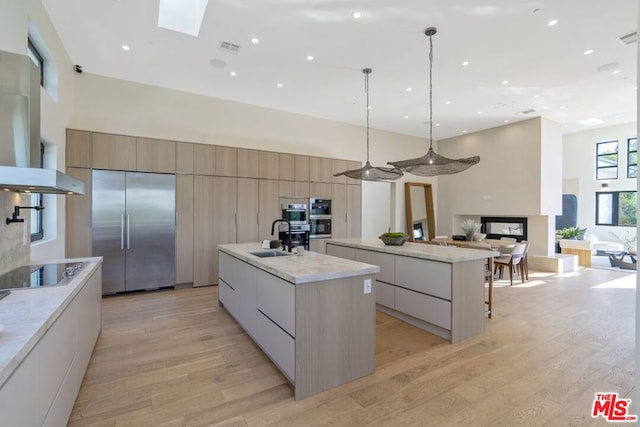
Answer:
x=432 y=164
x=368 y=172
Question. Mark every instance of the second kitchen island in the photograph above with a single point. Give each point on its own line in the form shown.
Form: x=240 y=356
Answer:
x=313 y=315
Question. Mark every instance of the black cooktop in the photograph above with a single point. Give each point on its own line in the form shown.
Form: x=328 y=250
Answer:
x=35 y=276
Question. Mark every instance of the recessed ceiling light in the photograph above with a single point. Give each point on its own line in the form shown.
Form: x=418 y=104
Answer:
x=309 y=57
x=437 y=124
x=447 y=103
x=255 y=40
x=506 y=121
x=479 y=112
x=588 y=51
x=465 y=63
x=368 y=107
x=464 y=131
x=552 y=22
x=591 y=122
x=562 y=107
x=505 y=82
x=232 y=74
x=356 y=15
x=409 y=89
x=406 y=117
x=615 y=72
x=536 y=96
x=279 y=84
x=125 y=47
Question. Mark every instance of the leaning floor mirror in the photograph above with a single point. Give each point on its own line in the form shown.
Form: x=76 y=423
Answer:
x=421 y=224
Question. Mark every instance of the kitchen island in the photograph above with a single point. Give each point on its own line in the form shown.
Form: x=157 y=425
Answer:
x=439 y=289
x=313 y=315
x=48 y=338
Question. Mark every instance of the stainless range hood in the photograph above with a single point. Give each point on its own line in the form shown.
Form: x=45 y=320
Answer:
x=20 y=132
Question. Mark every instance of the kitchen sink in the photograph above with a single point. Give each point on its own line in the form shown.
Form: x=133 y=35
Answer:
x=269 y=254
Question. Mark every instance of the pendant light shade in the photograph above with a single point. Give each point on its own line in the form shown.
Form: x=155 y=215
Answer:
x=368 y=172
x=432 y=164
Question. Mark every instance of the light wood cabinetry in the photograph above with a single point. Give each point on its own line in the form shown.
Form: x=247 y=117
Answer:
x=351 y=165
x=354 y=210
x=155 y=155
x=318 y=245
x=248 y=163
x=288 y=170
x=270 y=165
x=115 y=152
x=214 y=223
x=338 y=211
x=338 y=166
x=247 y=203
x=204 y=159
x=226 y=161
x=320 y=190
x=268 y=207
x=78 y=217
x=184 y=158
x=294 y=189
x=320 y=169
x=301 y=168
x=78 y=149
x=184 y=229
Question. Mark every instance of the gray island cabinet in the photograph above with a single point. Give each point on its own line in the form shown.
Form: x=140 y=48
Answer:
x=438 y=289
x=313 y=315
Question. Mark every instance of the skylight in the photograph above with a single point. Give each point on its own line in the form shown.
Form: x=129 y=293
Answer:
x=184 y=16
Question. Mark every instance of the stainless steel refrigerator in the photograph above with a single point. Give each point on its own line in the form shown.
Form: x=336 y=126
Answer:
x=133 y=228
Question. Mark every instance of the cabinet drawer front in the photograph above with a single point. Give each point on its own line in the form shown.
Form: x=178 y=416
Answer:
x=277 y=300
x=226 y=296
x=429 y=277
x=341 y=252
x=225 y=263
x=424 y=307
x=386 y=262
x=279 y=346
x=385 y=294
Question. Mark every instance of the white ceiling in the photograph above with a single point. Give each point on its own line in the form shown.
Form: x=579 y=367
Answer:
x=502 y=39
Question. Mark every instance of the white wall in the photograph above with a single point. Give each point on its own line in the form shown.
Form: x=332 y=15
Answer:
x=56 y=106
x=579 y=164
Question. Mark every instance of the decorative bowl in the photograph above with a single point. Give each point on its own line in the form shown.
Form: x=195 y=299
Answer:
x=394 y=241
x=478 y=237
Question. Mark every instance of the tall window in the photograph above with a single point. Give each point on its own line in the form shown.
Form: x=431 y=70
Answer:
x=632 y=157
x=607 y=160
x=37 y=229
x=616 y=208
x=37 y=58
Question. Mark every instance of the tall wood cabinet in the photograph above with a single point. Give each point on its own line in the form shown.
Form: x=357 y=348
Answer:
x=184 y=229
x=247 y=208
x=78 y=217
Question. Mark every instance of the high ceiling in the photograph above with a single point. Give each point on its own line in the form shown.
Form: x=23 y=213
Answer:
x=544 y=68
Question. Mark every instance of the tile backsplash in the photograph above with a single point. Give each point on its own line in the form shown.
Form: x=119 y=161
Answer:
x=15 y=239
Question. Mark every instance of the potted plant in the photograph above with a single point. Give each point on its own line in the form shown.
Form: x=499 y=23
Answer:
x=569 y=233
x=396 y=238
x=470 y=227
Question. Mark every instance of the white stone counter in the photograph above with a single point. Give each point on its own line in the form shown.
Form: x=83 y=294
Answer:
x=298 y=269
x=26 y=314
x=449 y=254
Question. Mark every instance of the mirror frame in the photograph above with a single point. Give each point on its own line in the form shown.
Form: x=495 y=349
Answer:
x=428 y=198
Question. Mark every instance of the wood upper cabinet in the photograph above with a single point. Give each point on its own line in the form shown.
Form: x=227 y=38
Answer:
x=270 y=165
x=354 y=210
x=78 y=217
x=184 y=158
x=248 y=163
x=320 y=190
x=301 y=168
x=204 y=159
x=247 y=208
x=287 y=168
x=351 y=165
x=184 y=229
x=115 y=152
x=294 y=189
x=320 y=169
x=78 y=148
x=338 y=166
x=226 y=160
x=268 y=207
x=155 y=155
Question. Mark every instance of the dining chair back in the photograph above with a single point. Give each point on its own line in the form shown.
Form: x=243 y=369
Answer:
x=510 y=256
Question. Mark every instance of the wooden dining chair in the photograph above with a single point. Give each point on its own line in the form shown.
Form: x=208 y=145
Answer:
x=509 y=257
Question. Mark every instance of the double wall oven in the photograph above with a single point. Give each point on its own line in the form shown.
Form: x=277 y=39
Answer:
x=297 y=215
x=319 y=218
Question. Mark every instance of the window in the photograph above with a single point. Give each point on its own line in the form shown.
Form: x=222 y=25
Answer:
x=607 y=160
x=616 y=208
x=37 y=230
x=632 y=157
x=37 y=58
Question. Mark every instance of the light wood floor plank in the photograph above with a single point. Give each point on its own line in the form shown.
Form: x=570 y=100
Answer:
x=174 y=358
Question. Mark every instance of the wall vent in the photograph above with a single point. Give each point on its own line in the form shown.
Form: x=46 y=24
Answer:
x=629 y=38
x=229 y=47
x=529 y=111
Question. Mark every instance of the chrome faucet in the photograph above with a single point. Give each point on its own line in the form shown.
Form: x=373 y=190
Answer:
x=273 y=224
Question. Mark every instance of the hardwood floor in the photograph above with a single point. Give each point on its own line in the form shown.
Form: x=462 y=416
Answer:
x=174 y=358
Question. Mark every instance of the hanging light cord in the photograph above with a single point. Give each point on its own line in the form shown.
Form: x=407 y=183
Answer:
x=366 y=90
x=430 y=91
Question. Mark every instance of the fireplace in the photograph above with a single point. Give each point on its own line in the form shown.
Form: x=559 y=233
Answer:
x=496 y=227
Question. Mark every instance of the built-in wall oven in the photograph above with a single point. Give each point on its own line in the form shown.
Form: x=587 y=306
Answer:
x=296 y=214
x=319 y=218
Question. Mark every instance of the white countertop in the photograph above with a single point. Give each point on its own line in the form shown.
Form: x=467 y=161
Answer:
x=28 y=313
x=298 y=269
x=449 y=254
